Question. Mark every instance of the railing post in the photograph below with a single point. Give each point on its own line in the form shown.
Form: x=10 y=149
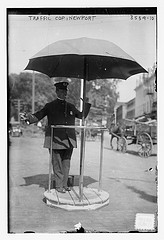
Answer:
x=82 y=159
x=101 y=159
x=50 y=160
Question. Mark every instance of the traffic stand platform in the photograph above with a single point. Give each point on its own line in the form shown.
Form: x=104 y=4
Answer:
x=92 y=199
x=79 y=198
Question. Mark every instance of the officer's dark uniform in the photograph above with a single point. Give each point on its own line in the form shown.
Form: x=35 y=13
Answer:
x=60 y=112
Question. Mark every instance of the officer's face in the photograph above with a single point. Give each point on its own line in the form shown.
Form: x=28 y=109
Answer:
x=61 y=93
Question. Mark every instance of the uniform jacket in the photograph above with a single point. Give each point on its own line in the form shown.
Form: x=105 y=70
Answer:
x=59 y=112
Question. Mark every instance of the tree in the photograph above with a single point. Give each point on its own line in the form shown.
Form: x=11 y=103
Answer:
x=20 y=87
x=102 y=93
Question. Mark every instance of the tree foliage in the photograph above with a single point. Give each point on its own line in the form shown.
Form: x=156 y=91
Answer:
x=102 y=93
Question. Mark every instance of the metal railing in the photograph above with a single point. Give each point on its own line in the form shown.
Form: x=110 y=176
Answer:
x=84 y=128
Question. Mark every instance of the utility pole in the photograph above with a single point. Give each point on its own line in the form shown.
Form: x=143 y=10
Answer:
x=17 y=105
x=18 y=110
x=33 y=92
x=33 y=97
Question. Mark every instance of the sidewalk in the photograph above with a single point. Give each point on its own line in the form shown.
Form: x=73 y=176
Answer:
x=131 y=188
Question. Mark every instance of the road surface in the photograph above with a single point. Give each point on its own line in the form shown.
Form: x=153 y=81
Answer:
x=129 y=179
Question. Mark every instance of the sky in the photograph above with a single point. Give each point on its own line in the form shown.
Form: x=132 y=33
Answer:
x=28 y=34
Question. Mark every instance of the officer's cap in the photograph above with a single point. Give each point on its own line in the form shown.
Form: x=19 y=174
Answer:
x=61 y=85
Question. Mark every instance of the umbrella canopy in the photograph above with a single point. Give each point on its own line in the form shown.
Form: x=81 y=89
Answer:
x=84 y=58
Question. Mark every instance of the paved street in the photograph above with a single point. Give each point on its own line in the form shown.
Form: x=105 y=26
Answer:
x=132 y=189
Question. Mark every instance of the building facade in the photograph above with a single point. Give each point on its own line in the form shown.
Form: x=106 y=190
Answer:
x=145 y=101
x=130 y=109
x=146 y=96
x=121 y=112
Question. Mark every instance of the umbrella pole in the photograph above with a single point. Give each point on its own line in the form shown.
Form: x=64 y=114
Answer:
x=81 y=97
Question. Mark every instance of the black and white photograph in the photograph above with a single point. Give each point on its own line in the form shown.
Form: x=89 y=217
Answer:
x=82 y=120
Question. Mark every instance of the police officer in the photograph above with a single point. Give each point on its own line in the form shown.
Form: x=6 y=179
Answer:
x=59 y=112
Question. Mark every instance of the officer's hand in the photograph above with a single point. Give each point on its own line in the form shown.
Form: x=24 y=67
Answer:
x=23 y=117
x=86 y=99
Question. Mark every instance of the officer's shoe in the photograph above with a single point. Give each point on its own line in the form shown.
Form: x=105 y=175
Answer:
x=61 y=190
x=67 y=189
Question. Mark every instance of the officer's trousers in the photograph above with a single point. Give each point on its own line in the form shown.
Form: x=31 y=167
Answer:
x=61 y=166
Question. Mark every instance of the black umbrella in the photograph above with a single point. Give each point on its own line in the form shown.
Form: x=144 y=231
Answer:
x=84 y=58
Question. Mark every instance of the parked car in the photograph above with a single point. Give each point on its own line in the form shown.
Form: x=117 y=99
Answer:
x=15 y=129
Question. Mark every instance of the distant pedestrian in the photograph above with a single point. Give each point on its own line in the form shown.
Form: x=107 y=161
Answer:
x=59 y=112
x=116 y=132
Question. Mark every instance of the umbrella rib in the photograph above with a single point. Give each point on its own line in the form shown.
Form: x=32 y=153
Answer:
x=60 y=60
x=115 y=61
